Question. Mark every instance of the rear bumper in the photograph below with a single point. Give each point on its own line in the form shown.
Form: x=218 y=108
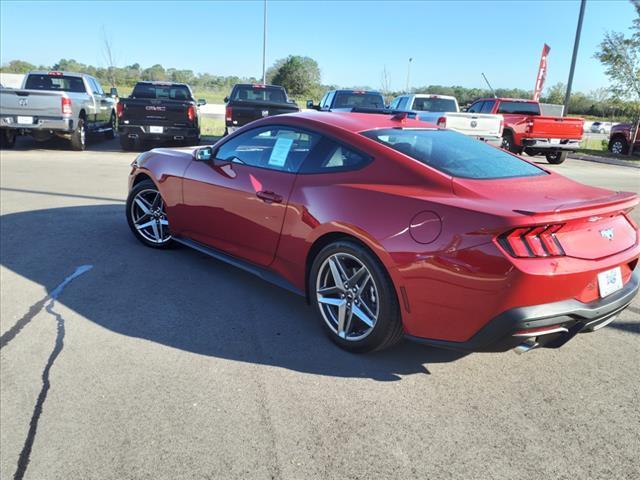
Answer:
x=168 y=133
x=551 y=325
x=545 y=144
x=39 y=123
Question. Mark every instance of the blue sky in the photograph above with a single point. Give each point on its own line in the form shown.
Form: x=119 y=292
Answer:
x=451 y=42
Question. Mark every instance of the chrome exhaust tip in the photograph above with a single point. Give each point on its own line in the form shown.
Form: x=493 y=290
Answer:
x=524 y=347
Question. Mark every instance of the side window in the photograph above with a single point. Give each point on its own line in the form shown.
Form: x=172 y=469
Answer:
x=95 y=86
x=476 y=107
x=331 y=157
x=395 y=103
x=330 y=96
x=275 y=148
x=402 y=104
x=487 y=107
x=324 y=100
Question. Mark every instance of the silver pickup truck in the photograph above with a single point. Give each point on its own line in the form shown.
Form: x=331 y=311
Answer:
x=62 y=104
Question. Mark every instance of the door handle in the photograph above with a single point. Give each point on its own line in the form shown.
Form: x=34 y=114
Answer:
x=269 y=197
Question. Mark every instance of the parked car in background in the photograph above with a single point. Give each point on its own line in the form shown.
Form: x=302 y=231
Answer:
x=620 y=138
x=57 y=104
x=525 y=129
x=601 y=127
x=346 y=100
x=391 y=227
x=443 y=110
x=250 y=101
x=159 y=112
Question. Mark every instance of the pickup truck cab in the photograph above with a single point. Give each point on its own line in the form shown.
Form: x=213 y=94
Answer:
x=346 y=100
x=63 y=104
x=250 y=101
x=443 y=110
x=159 y=112
x=525 y=129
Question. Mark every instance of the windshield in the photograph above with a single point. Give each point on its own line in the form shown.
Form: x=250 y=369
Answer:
x=358 y=99
x=61 y=83
x=522 y=108
x=259 y=93
x=167 y=92
x=434 y=104
x=454 y=153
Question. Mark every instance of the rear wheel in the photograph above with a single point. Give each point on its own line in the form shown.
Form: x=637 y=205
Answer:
x=7 y=138
x=508 y=143
x=113 y=122
x=556 y=158
x=355 y=298
x=618 y=145
x=79 y=136
x=147 y=216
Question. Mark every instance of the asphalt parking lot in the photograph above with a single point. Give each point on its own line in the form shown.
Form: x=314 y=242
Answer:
x=171 y=365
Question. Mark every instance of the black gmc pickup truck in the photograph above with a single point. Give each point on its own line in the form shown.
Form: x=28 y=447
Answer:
x=248 y=102
x=159 y=112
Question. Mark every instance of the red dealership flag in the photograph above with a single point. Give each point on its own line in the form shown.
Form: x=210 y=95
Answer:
x=542 y=73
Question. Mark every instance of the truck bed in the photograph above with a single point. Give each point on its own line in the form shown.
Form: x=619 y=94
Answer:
x=564 y=128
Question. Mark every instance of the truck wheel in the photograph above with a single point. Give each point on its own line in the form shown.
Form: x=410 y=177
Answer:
x=508 y=143
x=7 y=139
x=113 y=123
x=556 y=158
x=618 y=145
x=79 y=137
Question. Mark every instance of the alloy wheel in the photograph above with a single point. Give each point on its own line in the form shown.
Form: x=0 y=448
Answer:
x=149 y=216
x=347 y=296
x=616 y=147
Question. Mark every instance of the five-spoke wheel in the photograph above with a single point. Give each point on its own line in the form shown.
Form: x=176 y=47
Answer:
x=355 y=297
x=147 y=216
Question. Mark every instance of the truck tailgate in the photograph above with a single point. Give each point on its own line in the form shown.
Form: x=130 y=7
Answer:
x=477 y=124
x=143 y=111
x=34 y=103
x=556 y=127
x=244 y=114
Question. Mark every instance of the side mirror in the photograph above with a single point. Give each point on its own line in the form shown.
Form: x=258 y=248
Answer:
x=310 y=104
x=113 y=92
x=226 y=99
x=201 y=102
x=203 y=154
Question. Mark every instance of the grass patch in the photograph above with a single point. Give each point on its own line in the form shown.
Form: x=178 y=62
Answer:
x=211 y=127
x=590 y=143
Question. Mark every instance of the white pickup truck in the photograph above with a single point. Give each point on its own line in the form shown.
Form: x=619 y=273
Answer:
x=62 y=104
x=443 y=110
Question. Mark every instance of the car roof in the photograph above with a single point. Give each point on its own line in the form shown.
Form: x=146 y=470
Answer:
x=54 y=73
x=354 y=122
x=261 y=85
x=161 y=83
x=356 y=90
x=433 y=95
x=504 y=99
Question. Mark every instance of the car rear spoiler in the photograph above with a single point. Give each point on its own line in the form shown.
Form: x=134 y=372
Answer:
x=622 y=199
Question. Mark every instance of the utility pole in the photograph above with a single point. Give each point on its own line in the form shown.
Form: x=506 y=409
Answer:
x=576 y=44
x=408 y=73
x=264 y=46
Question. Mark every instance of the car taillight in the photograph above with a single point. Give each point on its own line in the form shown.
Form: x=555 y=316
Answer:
x=65 y=104
x=119 y=109
x=442 y=122
x=228 y=114
x=191 y=113
x=532 y=242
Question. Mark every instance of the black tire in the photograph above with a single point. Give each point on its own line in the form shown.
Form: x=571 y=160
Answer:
x=508 y=143
x=387 y=329
x=145 y=185
x=79 y=137
x=111 y=133
x=618 y=146
x=556 y=158
x=130 y=144
x=7 y=138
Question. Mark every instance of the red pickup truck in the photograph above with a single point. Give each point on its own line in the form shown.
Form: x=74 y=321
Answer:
x=525 y=129
x=621 y=138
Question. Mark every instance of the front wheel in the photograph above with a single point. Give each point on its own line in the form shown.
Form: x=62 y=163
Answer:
x=113 y=127
x=556 y=158
x=79 y=136
x=147 y=216
x=618 y=146
x=508 y=143
x=355 y=298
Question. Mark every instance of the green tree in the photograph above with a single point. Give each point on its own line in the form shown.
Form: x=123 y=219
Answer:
x=18 y=66
x=154 y=73
x=621 y=57
x=299 y=75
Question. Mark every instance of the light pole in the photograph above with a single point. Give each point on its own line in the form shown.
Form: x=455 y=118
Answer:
x=408 y=73
x=576 y=44
x=264 y=46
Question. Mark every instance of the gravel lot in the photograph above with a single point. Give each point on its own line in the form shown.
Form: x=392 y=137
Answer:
x=171 y=365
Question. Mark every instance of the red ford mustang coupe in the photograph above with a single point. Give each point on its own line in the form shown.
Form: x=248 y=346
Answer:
x=394 y=228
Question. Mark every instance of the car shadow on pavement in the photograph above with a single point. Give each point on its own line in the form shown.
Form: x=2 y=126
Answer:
x=183 y=299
